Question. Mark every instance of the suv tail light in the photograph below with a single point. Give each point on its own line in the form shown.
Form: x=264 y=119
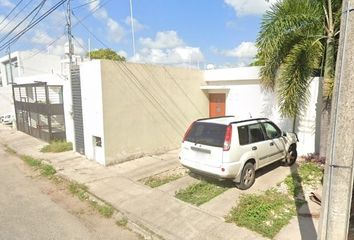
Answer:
x=227 y=141
x=187 y=132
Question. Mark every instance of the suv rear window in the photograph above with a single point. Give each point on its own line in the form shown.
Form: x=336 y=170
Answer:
x=211 y=134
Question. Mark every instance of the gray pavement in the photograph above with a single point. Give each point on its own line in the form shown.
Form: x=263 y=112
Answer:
x=156 y=209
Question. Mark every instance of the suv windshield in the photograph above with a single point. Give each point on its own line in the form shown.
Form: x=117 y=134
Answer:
x=211 y=134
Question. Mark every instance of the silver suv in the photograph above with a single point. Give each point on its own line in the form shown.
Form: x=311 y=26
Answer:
x=229 y=148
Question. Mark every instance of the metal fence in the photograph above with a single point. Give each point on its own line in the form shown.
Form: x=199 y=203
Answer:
x=39 y=110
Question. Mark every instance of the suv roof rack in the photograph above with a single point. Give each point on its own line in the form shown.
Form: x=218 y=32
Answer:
x=251 y=119
x=215 y=117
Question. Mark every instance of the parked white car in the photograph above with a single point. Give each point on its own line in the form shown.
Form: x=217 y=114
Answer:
x=7 y=119
x=229 y=148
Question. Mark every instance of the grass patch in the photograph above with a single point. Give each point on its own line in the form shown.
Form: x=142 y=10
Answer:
x=200 y=193
x=58 y=146
x=265 y=213
x=122 y=222
x=104 y=209
x=31 y=161
x=79 y=190
x=156 y=181
x=308 y=173
x=47 y=170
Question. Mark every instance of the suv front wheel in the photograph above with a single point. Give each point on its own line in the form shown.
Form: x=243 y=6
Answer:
x=248 y=176
x=291 y=157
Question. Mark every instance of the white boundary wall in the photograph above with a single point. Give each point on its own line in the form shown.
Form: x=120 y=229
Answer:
x=245 y=98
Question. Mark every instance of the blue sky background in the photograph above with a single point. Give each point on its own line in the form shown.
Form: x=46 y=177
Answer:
x=208 y=33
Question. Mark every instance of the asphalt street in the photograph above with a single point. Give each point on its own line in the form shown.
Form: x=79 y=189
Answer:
x=27 y=213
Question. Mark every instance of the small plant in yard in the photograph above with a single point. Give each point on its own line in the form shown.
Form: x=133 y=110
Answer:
x=265 y=213
x=156 y=181
x=122 y=222
x=58 y=146
x=314 y=157
x=200 y=193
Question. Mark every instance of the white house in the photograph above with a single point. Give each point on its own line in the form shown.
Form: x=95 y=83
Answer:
x=237 y=91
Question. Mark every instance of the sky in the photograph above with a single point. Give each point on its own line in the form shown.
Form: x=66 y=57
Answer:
x=198 y=33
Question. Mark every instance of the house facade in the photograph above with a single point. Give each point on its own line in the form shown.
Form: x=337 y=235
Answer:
x=130 y=110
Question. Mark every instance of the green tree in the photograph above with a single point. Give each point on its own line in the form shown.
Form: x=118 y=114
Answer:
x=297 y=38
x=105 y=53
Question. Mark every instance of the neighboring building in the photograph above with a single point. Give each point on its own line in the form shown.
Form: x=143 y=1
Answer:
x=31 y=68
x=24 y=64
x=134 y=109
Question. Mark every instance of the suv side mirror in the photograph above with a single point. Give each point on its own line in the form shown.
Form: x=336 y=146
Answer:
x=283 y=134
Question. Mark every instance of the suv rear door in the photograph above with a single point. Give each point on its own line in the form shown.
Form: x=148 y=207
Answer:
x=275 y=142
x=204 y=144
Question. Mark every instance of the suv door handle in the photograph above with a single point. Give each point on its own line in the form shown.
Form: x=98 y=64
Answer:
x=254 y=148
x=271 y=144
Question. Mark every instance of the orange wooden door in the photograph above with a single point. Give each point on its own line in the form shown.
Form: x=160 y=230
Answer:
x=216 y=104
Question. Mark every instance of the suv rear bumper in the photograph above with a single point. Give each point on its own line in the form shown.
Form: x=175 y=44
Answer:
x=230 y=169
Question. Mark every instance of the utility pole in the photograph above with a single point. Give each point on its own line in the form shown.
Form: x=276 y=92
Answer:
x=69 y=34
x=10 y=64
x=338 y=179
x=132 y=25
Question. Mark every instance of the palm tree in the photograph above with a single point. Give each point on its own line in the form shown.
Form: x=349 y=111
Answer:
x=297 y=38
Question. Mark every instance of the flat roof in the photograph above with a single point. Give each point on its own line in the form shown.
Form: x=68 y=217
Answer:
x=232 y=74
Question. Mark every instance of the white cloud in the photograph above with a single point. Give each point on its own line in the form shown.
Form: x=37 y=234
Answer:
x=114 y=30
x=122 y=53
x=168 y=48
x=167 y=39
x=138 y=26
x=41 y=37
x=250 y=7
x=175 y=56
x=6 y=3
x=244 y=50
x=244 y=53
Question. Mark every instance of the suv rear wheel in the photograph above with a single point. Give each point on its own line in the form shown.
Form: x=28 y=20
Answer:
x=248 y=176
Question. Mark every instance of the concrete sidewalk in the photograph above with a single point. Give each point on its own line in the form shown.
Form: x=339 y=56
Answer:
x=155 y=209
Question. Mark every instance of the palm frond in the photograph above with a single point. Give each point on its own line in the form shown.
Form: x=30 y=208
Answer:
x=295 y=77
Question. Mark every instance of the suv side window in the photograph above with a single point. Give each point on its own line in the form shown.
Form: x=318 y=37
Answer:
x=272 y=131
x=256 y=133
x=243 y=135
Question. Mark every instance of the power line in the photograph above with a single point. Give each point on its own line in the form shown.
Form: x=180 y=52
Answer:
x=21 y=10
x=85 y=4
x=57 y=39
x=13 y=29
x=38 y=20
x=11 y=12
